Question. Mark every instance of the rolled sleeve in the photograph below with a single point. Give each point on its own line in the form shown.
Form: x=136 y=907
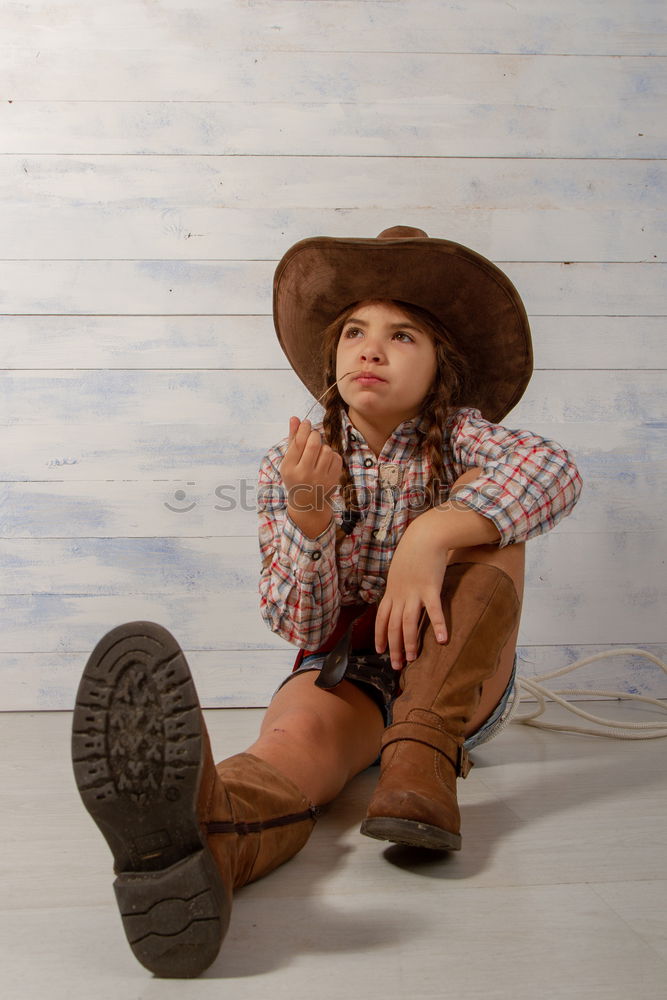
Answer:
x=527 y=484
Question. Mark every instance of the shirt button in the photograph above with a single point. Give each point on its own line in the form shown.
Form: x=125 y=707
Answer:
x=316 y=555
x=368 y=462
x=353 y=437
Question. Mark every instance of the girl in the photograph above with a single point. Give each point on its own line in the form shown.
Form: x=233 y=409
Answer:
x=392 y=555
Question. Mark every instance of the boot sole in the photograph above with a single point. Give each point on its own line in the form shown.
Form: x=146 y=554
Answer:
x=137 y=751
x=411 y=833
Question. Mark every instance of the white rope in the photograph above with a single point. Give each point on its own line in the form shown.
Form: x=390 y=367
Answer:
x=534 y=687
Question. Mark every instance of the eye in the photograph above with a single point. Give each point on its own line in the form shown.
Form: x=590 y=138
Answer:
x=405 y=337
x=351 y=332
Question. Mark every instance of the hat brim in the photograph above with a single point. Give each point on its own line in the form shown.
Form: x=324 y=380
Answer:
x=319 y=277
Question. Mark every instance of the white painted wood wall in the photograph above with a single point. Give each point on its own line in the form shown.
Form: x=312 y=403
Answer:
x=157 y=157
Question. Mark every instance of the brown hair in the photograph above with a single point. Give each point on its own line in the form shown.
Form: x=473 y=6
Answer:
x=446 y=392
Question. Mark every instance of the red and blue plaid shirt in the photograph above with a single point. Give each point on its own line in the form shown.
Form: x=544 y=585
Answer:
x=526 y=486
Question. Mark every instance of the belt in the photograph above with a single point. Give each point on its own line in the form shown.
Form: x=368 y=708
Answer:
x=355 y=630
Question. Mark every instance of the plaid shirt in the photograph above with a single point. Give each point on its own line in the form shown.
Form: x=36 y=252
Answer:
x=527 y=485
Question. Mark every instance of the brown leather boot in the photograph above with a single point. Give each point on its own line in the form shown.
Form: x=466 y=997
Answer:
x=183 y=832
x=422 y=750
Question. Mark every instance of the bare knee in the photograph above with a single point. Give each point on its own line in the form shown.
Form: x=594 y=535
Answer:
x=320 y=739
x=303 y=725
x=341 y=719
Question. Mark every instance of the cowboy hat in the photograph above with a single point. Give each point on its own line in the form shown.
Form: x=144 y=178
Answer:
x=319 y=277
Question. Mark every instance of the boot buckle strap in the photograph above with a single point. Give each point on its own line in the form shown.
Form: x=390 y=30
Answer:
x=439 y=740
x=463 y=765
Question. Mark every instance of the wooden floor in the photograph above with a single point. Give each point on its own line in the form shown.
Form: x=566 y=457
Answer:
x=560 y=890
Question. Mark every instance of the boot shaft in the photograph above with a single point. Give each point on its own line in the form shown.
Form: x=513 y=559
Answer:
x=481 y=610
x=422 y=750
x=254 y=818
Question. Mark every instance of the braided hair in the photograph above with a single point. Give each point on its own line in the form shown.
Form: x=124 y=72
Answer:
x=445 y=394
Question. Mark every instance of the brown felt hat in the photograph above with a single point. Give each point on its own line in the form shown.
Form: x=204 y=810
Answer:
x=320 y=277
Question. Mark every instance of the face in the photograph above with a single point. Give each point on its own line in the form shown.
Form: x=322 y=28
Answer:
x=395 y=361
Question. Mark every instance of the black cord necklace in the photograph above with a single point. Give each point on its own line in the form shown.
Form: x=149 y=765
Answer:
x=349 y=520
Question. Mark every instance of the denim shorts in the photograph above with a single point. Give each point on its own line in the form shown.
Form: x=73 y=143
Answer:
x=374 y=674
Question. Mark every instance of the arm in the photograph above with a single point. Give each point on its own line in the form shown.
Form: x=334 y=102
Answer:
x=523 y=485
x=417 y=573
x=299 y=597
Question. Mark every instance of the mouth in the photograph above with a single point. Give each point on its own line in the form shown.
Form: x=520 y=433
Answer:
x=368 y=378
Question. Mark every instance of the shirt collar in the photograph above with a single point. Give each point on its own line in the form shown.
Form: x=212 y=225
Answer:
x=406 y=432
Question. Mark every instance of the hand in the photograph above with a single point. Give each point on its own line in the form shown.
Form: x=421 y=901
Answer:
x=414 y=585
x=310 y=471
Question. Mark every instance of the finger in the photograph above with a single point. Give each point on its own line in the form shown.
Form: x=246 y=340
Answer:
x=312 y=448
x=293 y=427
x=324 y=462
x=437 y=617
x=305 y=427
x=335 y=464
x=298 y=442
x=381 y=619
x=411 y=618
x=395 y=637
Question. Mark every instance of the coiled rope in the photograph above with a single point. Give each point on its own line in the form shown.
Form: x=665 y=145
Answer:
x=610 y=728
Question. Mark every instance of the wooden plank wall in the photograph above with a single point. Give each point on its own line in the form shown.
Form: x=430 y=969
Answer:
x=157 y=157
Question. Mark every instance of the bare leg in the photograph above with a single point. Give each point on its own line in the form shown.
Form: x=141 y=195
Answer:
x=320 y=739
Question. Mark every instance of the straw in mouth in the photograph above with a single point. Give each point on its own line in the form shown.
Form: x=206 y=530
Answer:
x=333 y=384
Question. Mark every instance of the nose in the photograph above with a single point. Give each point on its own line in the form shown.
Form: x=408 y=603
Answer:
x=371 y=350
